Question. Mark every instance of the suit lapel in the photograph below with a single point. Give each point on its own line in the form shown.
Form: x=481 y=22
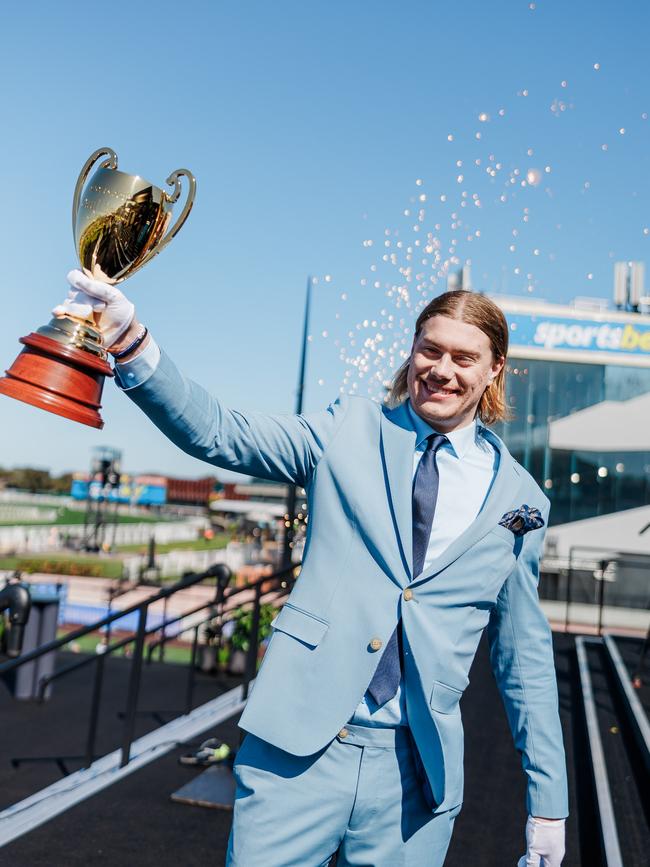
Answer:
x=501 y=493
x=398 y=446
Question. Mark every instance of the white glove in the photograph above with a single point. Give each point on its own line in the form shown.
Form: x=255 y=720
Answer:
x=114 y=312
x=545 y=843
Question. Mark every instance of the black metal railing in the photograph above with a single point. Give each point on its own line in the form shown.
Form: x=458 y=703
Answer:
x=283 y=578
x=595 y=575
x=278 y=583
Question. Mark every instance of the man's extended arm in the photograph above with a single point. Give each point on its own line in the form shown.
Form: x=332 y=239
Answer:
x=284 y=448
x=521 y=652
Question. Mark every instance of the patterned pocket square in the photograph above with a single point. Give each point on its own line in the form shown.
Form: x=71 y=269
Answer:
x=522 y=520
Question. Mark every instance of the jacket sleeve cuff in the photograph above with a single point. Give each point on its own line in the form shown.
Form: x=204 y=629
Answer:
x=549 y=805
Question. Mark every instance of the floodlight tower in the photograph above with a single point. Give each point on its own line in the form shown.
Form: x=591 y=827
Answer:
x=629 y=285
x=460 y=279
x=637 y=281
x=104 y=480
x=621 y=271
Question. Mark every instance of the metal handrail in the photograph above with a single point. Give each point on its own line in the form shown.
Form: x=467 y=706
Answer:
x=228 y=595
x=218 y=571
x=609 y=556
x=188 y=580
x=249 y=672
x=635 y=712
x=604 y=803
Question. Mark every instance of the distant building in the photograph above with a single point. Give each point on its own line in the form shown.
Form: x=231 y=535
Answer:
x=562 y=360
x=259 y=490
x=145 y=490
x=191 y=492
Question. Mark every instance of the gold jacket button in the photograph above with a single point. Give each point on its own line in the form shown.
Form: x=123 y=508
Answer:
x=375 y=644
x=408 y=594
x=344 y=733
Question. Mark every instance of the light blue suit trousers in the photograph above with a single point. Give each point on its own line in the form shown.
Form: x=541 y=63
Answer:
x=362 y=793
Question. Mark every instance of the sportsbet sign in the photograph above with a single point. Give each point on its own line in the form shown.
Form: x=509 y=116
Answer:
x=537 y=335
x=602 y=336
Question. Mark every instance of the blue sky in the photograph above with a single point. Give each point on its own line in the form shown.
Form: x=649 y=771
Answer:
x=313 y=130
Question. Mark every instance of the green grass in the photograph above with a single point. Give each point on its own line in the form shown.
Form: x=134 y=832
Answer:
x=86 y=643
x=74 y=516
x=176 y=654
x=215 y=544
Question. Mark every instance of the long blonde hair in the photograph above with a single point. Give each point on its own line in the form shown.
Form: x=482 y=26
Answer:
x=474 y=309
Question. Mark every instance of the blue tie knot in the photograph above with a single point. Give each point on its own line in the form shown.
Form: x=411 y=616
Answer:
x=435 y=440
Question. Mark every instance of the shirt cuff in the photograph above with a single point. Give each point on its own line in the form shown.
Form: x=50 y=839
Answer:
x=130 y=374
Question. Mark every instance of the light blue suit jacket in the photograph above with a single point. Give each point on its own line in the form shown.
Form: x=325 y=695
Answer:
x=355 y=460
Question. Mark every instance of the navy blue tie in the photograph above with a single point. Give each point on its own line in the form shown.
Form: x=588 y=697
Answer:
x=387 y=676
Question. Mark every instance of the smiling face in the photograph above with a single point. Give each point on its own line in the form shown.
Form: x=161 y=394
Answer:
x=450 y=367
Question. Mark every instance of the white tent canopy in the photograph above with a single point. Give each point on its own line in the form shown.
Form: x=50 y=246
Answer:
x=610 y=426
x=627 y=531
x=253 y=509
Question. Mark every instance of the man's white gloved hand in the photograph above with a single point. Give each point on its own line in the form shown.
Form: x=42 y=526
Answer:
x=544 y=842
x=113 y=310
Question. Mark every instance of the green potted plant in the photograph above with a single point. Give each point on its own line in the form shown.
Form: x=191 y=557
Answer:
x=240 y=637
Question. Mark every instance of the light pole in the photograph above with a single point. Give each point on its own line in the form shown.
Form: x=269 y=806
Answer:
x=290 y=510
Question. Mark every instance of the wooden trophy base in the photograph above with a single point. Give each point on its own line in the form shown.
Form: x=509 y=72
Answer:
x=59 y=378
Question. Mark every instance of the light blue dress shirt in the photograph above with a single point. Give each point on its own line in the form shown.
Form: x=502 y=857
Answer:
x=467 y=466
x=138 y=370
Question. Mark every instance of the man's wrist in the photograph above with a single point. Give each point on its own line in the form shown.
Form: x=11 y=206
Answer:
x=137 y=336
x=543 y=821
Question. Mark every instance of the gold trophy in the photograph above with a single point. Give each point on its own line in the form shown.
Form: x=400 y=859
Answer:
x=119 y=223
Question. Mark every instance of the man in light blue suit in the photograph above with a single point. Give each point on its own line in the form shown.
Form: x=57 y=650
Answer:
x=423 y=532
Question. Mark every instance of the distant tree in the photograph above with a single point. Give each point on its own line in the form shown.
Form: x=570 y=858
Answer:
x=62 y=484
x=35 y=480
x=30 y=479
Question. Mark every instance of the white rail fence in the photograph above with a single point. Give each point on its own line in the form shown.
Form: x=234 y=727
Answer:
x=28 y=539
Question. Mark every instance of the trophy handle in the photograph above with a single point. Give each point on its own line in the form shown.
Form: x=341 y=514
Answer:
x=110 y=163
x=175 y=179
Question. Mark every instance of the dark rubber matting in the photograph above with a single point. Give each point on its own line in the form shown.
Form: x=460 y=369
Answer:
x=136 y=823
